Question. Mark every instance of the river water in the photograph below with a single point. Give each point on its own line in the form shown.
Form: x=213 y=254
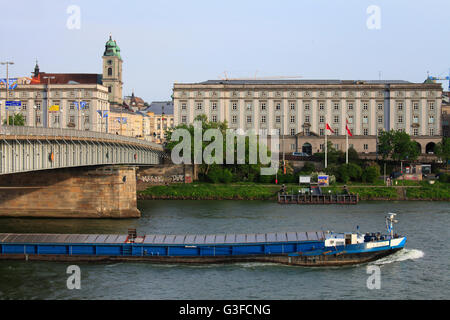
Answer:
x=421 y=271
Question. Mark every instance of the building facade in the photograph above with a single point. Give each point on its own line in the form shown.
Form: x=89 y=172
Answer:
x=300 y=109
x=55 y=105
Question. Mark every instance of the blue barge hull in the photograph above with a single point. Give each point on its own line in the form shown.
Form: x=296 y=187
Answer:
x=294 y=248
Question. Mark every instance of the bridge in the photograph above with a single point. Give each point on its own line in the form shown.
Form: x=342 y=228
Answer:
x=64 y=173
x=24 y=149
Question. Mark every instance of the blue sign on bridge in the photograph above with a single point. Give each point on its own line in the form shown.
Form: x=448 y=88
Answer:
x=13 y=103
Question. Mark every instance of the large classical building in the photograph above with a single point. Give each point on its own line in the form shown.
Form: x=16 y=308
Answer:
x=68 y=100
x=300 y=109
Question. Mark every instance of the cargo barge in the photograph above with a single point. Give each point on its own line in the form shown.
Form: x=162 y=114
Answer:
x=291 y=248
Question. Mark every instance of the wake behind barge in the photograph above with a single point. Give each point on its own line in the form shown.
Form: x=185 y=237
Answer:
x=291 y=248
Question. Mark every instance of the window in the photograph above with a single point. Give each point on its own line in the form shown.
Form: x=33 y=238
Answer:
x=292 y=132
x=366 y=132
x=416 y=106
x=292 y=105
x=234 y=119
x=278 y=119
x=38 y=106
x=321 y=106
x=249 y=119
x=350 y=119
x=380 y=107
x=350 y=106
x=292 y=119
x=380 y=131
x=365 y=120
x=249 y=106
x=307 y=106
x=199 y=106
x=38 y=119
x=263 y=119
x=336 y=132
x=307 y=131
x=336 y=119
x=431 y=105
x=336 y=106
x=400 y=119
x=416 y=132
x=336 y=146
x=183 y=119
x=322 y=132
x=321 y=119
x=214 y=118
x=72 y=119
x=292 y=146
x=307 y=119
x=234 y=105
x=110 y=72
x=263 y=106
x=400 y=106
x=278 y=106
x=431 y=120
x=365 y=106
x=416 y=119
x=366 y=147
x=380 y=119
x=56 y=119
x=431 y=132
x=214 y=105
x=183 y=106
x=24 y=106
x=109 y=89
x=322 y=146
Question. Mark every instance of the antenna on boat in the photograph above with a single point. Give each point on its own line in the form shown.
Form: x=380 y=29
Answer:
x=390 y=220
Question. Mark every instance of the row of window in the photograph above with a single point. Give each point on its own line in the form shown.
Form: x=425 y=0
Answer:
x=307 y=106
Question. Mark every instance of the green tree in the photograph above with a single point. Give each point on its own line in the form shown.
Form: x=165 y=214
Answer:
x=442 y=150
x=240 y=172
x=17 y=120
x=397 y=145
x=370 y=174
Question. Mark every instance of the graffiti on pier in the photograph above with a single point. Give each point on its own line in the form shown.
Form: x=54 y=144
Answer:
x=162 y=179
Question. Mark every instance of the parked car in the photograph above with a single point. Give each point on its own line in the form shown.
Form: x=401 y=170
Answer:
x=300 y=154
x=395 y=175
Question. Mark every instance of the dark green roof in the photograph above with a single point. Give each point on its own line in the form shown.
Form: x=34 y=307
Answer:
x=112 y=49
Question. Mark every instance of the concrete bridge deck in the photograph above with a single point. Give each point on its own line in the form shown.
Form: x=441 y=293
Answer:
x=24 y=149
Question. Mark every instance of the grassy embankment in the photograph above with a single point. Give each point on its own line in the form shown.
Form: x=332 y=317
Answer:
x=405 y=190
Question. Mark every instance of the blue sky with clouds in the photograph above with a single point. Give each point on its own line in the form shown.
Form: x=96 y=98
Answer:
x=163 y=41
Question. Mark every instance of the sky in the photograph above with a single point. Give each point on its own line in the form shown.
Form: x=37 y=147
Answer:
x=163 y=41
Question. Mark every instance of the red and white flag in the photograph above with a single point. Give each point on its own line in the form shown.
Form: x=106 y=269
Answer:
x=329 y=128
x=348 y=130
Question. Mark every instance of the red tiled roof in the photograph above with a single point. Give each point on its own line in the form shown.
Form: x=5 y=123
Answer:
x=68 y=78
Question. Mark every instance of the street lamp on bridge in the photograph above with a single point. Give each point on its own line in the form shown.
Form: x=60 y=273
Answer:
x=7 y=63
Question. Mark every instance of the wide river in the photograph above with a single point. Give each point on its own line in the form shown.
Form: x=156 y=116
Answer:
x=421 y=271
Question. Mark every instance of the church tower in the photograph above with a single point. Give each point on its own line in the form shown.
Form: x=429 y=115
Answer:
x=112 y=72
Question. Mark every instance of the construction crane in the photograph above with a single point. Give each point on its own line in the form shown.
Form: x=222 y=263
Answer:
x=447 y=78
x=225 y=77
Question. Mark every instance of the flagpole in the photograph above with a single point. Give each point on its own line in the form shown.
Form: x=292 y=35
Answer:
x=346 y=153
x=326 y=148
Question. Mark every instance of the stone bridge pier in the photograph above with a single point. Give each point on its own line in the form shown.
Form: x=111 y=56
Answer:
x=83 y=192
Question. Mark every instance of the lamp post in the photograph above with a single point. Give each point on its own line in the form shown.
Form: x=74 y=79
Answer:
x=48 y=98
x=35 y=115
x=7 y=63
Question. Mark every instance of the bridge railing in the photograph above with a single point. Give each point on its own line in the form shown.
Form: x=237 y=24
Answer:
x=72 y=133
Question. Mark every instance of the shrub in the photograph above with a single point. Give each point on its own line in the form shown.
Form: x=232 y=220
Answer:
x=370 y=174
x=227 y=176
